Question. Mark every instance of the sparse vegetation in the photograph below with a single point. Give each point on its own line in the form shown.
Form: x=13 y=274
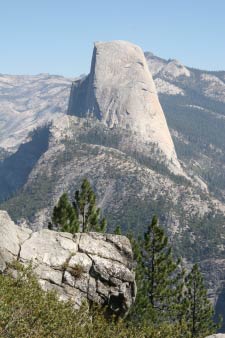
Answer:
x=76 y=271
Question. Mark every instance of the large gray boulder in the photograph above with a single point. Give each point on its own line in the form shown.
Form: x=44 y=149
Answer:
x=120 y=92
x=87 y=266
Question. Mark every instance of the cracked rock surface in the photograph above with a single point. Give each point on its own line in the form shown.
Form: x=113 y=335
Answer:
x=87 y=266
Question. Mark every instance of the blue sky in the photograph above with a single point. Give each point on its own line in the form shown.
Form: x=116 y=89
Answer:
x=46 y=36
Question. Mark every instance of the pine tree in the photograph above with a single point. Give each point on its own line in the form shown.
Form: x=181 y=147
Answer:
x=65 y=216
x=83 y=215
x=141 y=309
x=199 y=311
x=159 y=277
x=118 y=230
x=102 y=225
x=85 y=205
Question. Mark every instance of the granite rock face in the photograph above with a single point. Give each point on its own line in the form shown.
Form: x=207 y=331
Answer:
x=120 y=92
x=218 y=335
x=87 y=266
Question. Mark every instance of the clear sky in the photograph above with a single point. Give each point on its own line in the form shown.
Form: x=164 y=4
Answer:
x=56 y=36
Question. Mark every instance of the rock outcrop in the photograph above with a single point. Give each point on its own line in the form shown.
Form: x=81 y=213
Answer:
x=120 y=92
x=87 y=266
x=218 y=335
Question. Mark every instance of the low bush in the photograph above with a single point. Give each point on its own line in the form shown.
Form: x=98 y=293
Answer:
x=27 y=311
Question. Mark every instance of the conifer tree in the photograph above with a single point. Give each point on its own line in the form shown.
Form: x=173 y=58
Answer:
x=83 y=215
x=85 y=205
x=65 y=216
x=118 y=230
x=140 y=310
x=159 y=277
x=199 y=311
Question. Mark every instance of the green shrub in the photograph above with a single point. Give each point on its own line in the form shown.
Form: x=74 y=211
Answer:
x=27 y=311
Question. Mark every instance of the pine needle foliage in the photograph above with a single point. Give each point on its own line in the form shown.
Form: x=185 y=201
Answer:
x=64 y=216
x=160 y=278
x=85 y=204
x=199 y=311
x=80 y=215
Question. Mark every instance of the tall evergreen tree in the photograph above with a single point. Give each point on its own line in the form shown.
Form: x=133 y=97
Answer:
x=65 y=216
x=159 y=277
x=83 y=215
x=117 y=230
x=85 y=205
x=199 y=310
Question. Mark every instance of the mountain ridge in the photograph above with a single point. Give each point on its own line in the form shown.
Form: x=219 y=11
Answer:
x=195 y=110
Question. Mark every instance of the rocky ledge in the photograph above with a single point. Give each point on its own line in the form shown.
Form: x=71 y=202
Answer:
x=85 y=266
x=218 y=335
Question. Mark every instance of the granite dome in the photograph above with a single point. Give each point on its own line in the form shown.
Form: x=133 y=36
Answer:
x=120 y=91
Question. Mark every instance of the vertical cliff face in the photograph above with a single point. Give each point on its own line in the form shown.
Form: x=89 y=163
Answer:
x=120 y=92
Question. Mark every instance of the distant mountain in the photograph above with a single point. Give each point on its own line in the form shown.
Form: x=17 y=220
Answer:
x=170 y=73
x=28 y=102
x=194 y=104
